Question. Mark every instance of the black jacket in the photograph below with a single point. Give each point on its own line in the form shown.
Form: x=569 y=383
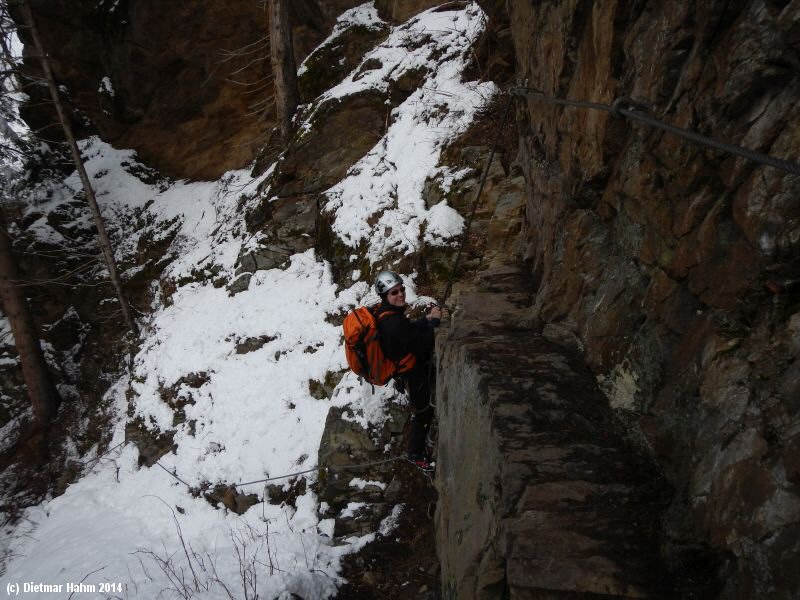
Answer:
x=399 y=336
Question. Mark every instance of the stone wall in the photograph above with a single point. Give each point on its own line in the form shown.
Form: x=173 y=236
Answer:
x=676 y=266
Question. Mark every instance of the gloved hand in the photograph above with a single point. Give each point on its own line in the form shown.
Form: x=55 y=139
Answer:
x=434 y=312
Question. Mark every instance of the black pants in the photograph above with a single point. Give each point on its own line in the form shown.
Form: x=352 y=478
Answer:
x=419 y=391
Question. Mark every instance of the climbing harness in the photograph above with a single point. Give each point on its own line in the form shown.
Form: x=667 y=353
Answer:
x=625 y=108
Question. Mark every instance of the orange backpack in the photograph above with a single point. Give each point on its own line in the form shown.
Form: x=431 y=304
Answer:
x=363 y=349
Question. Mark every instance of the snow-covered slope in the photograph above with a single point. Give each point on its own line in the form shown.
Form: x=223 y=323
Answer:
x=250 y=414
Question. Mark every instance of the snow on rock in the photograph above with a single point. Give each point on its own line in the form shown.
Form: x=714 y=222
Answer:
x=365 y=15
x=248 y=399
x=106 y=87
x=361 y=484
x=389 y=180
x=122 y=518
x=351 y=510
x=253 y=415
x=392 y=520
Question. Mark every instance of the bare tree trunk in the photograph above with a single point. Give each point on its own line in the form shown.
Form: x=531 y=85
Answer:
x=284 y=70
x=105 y=242
x=41 y=391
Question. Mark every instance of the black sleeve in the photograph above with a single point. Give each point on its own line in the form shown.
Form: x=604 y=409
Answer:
x=422 y=339
x=399 y=336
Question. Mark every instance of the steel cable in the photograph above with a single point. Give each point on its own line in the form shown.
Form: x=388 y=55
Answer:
x=287 y=475
x=617 y=109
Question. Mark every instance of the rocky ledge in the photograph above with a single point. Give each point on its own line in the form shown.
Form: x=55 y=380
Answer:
x=540 y=493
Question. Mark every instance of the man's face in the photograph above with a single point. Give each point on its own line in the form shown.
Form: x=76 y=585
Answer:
x=397 y=295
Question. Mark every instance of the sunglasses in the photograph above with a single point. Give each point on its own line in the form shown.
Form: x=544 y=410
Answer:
x=398 y=291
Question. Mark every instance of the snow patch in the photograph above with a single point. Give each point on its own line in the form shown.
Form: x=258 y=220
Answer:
x=391 y=521
x=106 y=87
x=351 y=510
x=359 y=483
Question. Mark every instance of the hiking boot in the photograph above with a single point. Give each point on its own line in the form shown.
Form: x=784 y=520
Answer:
x=422 y=462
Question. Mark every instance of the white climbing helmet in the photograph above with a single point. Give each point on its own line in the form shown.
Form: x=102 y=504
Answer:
x=385 y=281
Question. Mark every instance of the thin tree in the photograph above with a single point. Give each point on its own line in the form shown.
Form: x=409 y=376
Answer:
x=284 y=70
x=41 y=391
x=105 y=242
x=7 y=74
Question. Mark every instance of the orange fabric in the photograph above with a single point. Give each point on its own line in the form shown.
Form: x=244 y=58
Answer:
x=363 y=351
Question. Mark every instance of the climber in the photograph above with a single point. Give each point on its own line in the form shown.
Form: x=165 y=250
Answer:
x=398 y=336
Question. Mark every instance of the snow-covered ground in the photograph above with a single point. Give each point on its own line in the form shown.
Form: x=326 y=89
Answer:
x=252 y=416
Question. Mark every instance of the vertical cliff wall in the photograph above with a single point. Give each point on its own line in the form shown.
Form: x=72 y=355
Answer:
x=677 y=266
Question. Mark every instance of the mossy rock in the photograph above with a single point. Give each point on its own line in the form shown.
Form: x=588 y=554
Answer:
x=252 y=344
x=154 y=242
x=258 y=215
x=177 y=397
x=340 y=131
x=435 y=269
x=72 y=220
x=170 y=285
x=406 y=84
x=66 y=333
x=330 y=247
x=139 y=286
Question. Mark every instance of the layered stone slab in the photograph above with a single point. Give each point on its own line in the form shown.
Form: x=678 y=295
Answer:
x=541 y=495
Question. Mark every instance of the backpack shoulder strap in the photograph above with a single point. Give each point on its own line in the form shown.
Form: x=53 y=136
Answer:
x=381 y=315
x=355 y=313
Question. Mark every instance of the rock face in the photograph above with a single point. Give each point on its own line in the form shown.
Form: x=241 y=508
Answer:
x=674 y=266
x=399 y=11
x=344 y=444
x=185 y=84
